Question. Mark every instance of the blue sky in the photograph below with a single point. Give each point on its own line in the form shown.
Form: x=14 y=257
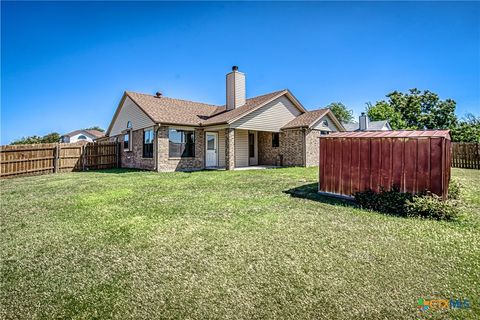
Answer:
x=65 y=65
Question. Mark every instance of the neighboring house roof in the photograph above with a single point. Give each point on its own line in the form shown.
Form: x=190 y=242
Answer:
x=166 y=110
x=93 y=133
x=350 y=126
x=392 y=134
x=372 y=125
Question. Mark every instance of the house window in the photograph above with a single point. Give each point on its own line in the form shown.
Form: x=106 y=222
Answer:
x=324 y=132
x=148 y=143
x=251 y=145
x=129 y=125
x=126 y=141
x=181 y=143
x=325 y=123
x=82 y=137
x=211 y=142
x=275 y=140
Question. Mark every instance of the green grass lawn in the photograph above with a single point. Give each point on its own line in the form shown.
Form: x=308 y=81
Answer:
x=218 y=244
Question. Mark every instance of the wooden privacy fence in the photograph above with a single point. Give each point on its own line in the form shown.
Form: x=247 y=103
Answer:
x=32 y=159
x=466 y=155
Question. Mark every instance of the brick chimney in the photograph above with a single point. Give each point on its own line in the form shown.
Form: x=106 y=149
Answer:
x=236 y=93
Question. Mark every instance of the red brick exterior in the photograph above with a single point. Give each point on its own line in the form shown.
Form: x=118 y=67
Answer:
x=230 y=149
x=290 y=151
x=312 y=143
x=165 y=163
x=292 y=143
x=134 y=158
x=297 y=147
x=267 y=155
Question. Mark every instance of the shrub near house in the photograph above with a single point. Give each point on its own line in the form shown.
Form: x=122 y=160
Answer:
x=399 y=203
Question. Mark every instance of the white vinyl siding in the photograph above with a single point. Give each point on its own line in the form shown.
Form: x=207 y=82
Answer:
x=221 y=148
x=74 y=138
x=129 y=111
x=271 y=117
x=385 y=127
x=241 y=148
x=320 y=126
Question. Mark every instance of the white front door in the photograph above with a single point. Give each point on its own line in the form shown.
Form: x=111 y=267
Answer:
x=211 y=158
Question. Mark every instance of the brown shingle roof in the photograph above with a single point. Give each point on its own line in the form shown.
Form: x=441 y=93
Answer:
x=306 y=119
x=183 y=112
x=95 y=133
x=173 y=111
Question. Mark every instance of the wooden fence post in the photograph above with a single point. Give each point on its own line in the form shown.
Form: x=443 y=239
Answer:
x=56 y=158
x=117 y=153
x=83 y=150
x=465 y=155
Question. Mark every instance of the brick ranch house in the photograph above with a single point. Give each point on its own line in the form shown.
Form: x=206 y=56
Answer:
x=166 y=134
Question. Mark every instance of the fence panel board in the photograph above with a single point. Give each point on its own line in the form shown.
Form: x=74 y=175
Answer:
x=466 y=155
x=33 y=159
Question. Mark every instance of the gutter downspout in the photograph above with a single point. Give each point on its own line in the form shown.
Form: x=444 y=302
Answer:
x=156 y=167
x=304 y=144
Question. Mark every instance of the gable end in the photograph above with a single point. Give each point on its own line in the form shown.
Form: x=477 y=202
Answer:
x=272 y=116
x=128 y=110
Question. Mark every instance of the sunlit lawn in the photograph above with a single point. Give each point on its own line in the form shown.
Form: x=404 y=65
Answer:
x=137 y=245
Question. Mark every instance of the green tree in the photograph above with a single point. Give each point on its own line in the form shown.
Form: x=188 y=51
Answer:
x=467 y=129
x=48 y=138
x=341 y=112
x=51 y=138
x=27 y=140
x=417 y=110
x=98 y=128
x=383 y=111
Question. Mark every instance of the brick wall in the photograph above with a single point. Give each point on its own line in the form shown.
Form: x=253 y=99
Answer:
x=291 y=148
x=165 y=163
x=267 y=155
x=312 y=148
x=134 y=158
x=229 y=149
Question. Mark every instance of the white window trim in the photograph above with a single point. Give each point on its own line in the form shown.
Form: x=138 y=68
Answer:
x=143 y=140
x=129 y=132
x=193 y=129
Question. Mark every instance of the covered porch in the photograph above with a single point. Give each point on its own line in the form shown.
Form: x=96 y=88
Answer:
x=231 y=148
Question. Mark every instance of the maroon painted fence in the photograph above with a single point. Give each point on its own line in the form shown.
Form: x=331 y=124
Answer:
x=415 y=161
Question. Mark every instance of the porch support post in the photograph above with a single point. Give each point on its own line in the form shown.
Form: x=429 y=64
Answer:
x=161 y=139
x=230 y=148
